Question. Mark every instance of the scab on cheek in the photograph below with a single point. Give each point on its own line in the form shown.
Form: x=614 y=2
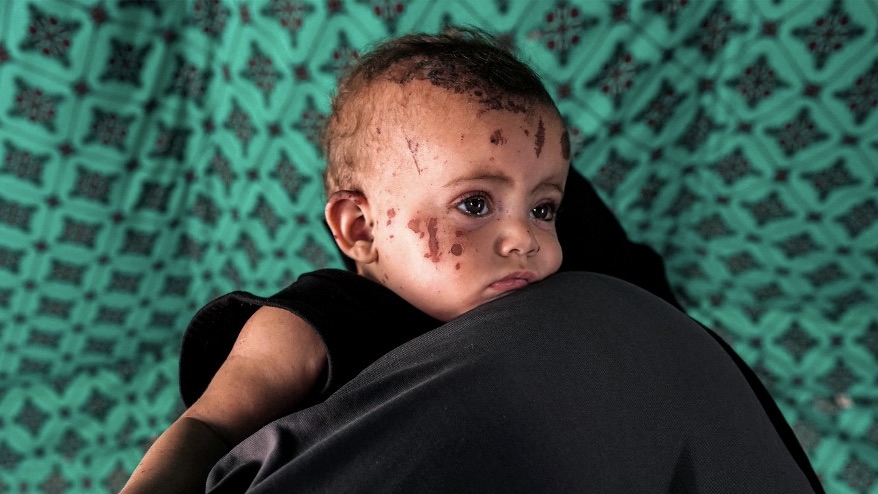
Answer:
x=390 y=214
x=433 y=252
x=456 y=249
x=415 y=226
x=433 y=241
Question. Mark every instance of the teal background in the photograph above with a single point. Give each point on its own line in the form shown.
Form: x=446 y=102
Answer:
x=154 y=154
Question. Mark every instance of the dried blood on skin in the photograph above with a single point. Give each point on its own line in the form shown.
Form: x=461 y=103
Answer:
x=539 y=138
x=457 y=249
x=415 y=226
x=413 y=148
x=565 y=145
x=500 y=103
x=433 y=241
x=390 y=214
x=497 y=138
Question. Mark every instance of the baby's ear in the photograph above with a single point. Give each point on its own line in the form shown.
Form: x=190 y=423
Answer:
x=350 y=220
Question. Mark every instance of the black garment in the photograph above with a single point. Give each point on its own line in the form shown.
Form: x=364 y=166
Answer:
x=580 y=383
x=358 y=320
x=593 y=240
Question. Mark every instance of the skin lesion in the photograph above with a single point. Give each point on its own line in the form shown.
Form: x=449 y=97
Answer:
x=433 y=240
x=430 y=230
x=415 y=226
x=497 y=138
x=390 y=214
x=413 y=149
x=499 y=103
x=539 y=137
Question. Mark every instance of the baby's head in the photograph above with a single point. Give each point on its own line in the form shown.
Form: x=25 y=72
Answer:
x=446 y=162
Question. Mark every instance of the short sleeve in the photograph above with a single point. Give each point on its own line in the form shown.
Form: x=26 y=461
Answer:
x=358 y=320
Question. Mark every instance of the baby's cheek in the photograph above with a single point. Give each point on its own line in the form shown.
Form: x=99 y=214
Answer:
x=461 y=247
x=554 y=252
x=443 y=243
x=458 y=242
x=432 y=236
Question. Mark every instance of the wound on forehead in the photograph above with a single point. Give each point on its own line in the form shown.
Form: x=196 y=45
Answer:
x=413 y=149
x=497 y=138
x=539 y=138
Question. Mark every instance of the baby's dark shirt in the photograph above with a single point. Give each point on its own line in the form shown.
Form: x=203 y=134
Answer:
x=359 y=321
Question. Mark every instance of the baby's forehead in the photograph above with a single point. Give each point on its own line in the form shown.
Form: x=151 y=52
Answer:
x=411 y=99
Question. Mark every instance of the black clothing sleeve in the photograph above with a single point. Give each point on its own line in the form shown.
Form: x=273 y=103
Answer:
x=358 y=320
x=579 y=383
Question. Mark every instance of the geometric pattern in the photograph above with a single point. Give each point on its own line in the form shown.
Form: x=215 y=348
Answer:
x=155 y=154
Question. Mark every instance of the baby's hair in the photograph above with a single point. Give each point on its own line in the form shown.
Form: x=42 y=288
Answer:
x=462 y=60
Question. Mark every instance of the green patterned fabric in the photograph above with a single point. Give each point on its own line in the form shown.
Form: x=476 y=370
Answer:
x=156 y=153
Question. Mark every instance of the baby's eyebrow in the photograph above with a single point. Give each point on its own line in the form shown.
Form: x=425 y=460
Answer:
x=479 y=176
x=502 y=179
x=549 y=185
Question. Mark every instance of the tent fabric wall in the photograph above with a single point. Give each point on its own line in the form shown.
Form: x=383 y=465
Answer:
x=154 y=154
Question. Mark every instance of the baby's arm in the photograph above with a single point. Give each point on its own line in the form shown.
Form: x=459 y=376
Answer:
x=273 y=366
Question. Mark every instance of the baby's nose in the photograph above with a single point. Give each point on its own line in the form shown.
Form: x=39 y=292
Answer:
x=516 y=237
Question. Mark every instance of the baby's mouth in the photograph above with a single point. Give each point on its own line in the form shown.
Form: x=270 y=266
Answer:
x=514 y=281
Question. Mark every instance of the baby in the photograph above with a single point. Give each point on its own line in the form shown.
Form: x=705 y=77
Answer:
x=446 y=164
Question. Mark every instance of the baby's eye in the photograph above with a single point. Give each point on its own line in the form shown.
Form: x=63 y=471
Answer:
x=474 y=206
x=544 y=212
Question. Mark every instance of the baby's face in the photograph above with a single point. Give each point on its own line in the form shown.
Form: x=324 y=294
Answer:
x=465 y=199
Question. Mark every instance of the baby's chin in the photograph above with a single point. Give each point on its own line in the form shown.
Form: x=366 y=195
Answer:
x=446 y=313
